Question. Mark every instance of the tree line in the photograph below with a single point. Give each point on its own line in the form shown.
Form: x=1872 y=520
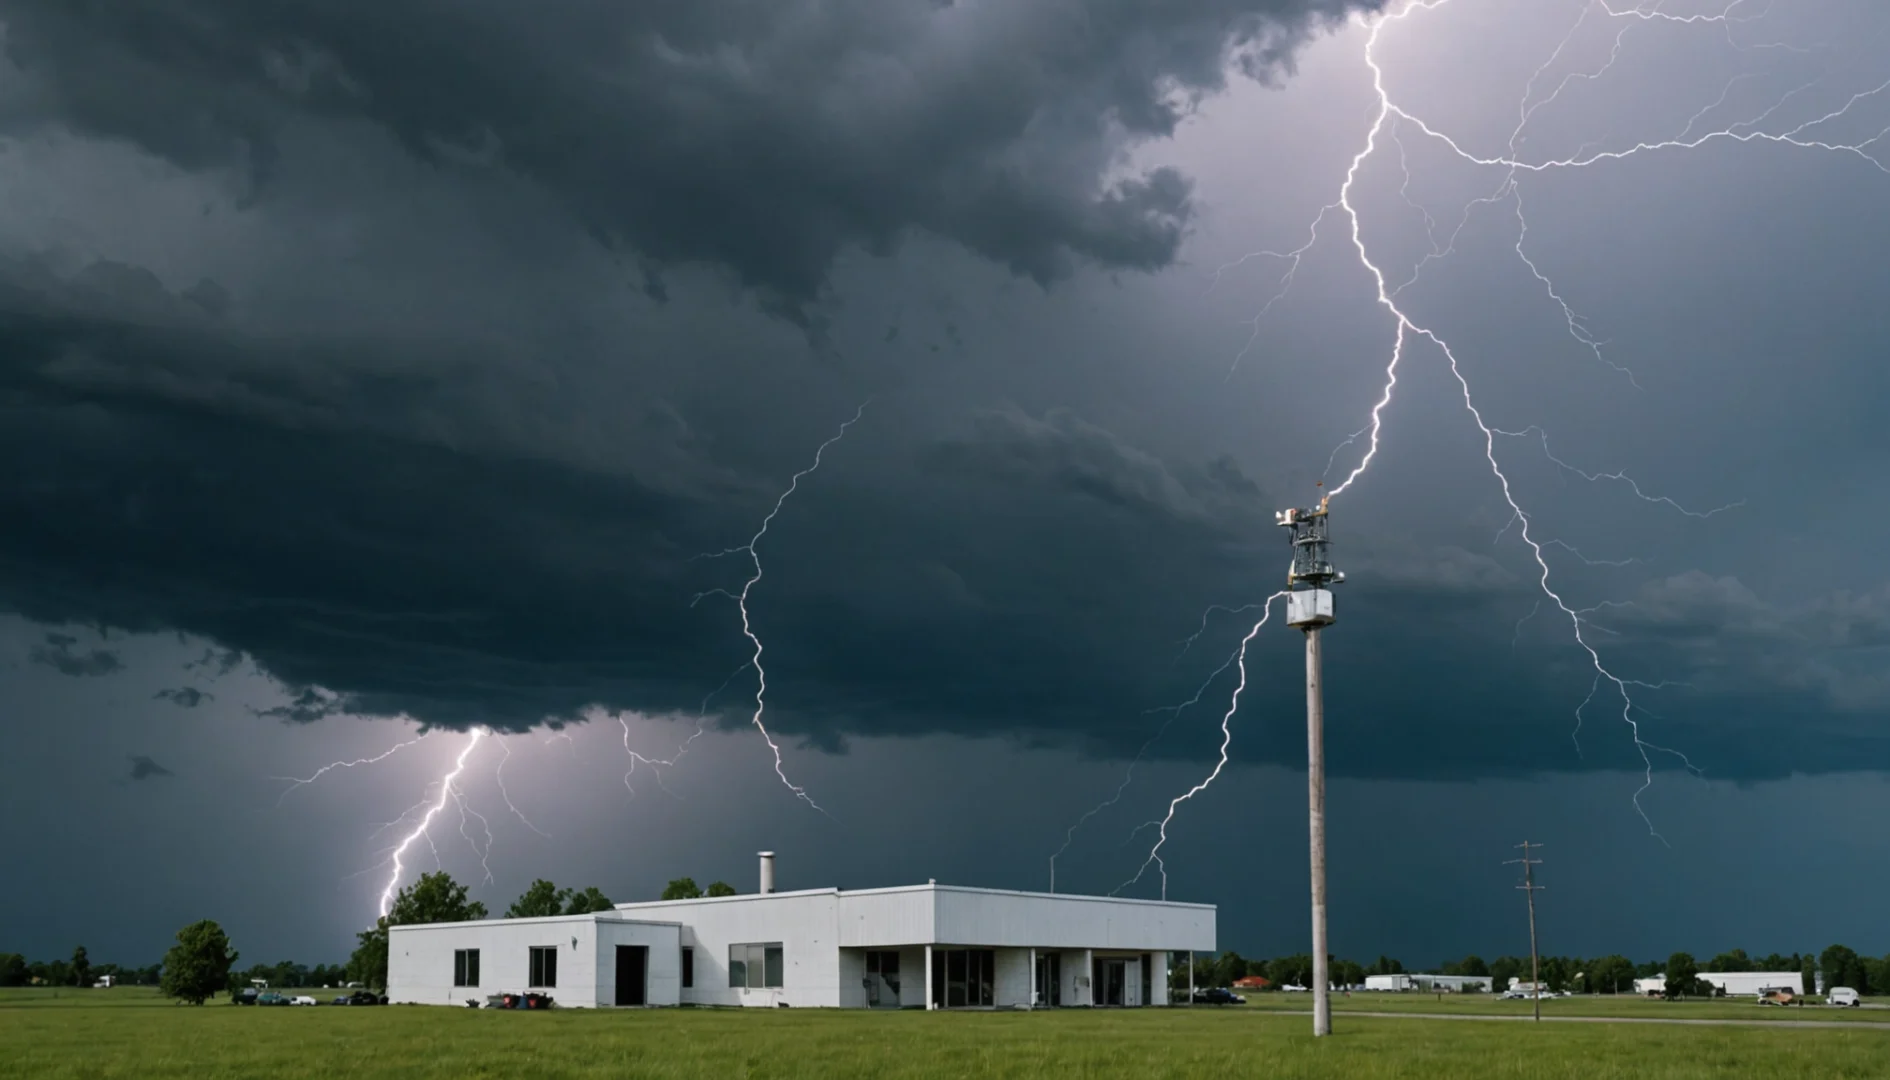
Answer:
x=202 y=964
x=1614 y=974
x=17 y=970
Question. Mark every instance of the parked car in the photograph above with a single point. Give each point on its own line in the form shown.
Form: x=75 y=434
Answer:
x=270 y=997
x=1295 y=988
x=1218 y=995
x=245 y=996
x=301 y=999
x=1843 y=996
x=343 y=999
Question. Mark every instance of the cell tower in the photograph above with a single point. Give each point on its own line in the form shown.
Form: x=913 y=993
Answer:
x=1309 y=584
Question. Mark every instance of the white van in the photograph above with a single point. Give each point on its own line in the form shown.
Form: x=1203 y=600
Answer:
x=1842 y=995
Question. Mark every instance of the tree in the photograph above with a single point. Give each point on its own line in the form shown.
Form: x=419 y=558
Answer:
x=12 y=969
x=1348 y=973
x=81 y=967
x=590 y=900
x=682 y=888
x=1843 y=967
x=1682 y=973
x=540 y=900
x=1290 y=970
x=1503 y=969
x=1735 y=960
x=1611 y=975
x=721 y=888
x=199 y=964
x=1473 y=965
x=435 y=898
x=1809 y=972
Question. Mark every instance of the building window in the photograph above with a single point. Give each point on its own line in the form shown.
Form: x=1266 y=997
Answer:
x=465 y=967
x=757 y=967
x=544 y=967
x=688 y=968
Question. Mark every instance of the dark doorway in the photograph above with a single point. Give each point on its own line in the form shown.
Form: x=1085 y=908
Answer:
x=1049 y=979
x=633 y=962
x=1108 y=978
x=964 y=978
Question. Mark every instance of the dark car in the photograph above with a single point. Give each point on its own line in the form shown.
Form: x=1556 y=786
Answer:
x=364 y=997
x=270 y=997
x=1218 y=995
x=246 y=996
x=344 y=999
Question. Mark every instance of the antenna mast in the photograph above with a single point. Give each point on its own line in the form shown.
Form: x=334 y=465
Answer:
x=1309 y=582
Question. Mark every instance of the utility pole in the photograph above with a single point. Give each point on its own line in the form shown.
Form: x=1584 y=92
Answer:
x=1309 y=607
x=1530 y=888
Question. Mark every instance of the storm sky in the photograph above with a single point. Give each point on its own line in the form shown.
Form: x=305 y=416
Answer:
x=379 y=369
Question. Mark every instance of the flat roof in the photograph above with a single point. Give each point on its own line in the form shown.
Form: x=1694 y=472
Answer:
x=593 y=916
x=888 y=890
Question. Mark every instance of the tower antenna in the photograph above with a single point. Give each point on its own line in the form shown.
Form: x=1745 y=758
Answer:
x=1309 y=583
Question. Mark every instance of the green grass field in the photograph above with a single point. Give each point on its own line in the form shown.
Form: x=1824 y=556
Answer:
x=131 y=1033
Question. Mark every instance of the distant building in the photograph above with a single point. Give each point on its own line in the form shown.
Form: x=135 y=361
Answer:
x=1452 y=984
x=1733 y=983
x=924 y=946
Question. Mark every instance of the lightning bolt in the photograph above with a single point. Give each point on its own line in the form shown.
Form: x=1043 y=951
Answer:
x=741 y=602
x=1174 y=712
x=300 y=781
x=447 y=793
x=498 y=775
x=1227 y=738
x=1802 y=136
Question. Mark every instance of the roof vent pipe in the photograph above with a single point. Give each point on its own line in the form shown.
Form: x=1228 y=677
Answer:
x=767 y=872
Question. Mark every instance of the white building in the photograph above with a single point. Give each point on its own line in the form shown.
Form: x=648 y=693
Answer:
x=1452 y=984
x=922 y=946
x=1398 y=983
x=1734 y=983
x=1755 y=983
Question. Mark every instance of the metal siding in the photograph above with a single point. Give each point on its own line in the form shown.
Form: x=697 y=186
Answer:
x=883 y=919
x=420 y=960
x=804 y=923
x=663 y=976
x=1011 y=979
x=974 y=917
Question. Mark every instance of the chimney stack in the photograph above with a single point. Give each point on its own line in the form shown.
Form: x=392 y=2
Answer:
x=767 y=872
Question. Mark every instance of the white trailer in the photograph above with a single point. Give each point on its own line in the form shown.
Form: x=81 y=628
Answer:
x=1390 y=983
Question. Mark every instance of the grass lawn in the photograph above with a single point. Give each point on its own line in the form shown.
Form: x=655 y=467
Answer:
x=1623 y=1005
x=130 y=1033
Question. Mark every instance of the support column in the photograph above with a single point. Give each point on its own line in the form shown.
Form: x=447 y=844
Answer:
x=1033 y=977
x=1089 y=977
x=929 y=1006
x=1316 y=817
x=1191 y=977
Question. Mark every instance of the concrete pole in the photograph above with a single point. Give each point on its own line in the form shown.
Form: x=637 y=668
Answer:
x=1316 y=818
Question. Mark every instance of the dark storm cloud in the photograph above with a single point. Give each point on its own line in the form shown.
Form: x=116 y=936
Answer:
x=1033 y=574
x=143 y=768
x=216 y=662
x=758 y=136
x=58 y=653
x=186 y=697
